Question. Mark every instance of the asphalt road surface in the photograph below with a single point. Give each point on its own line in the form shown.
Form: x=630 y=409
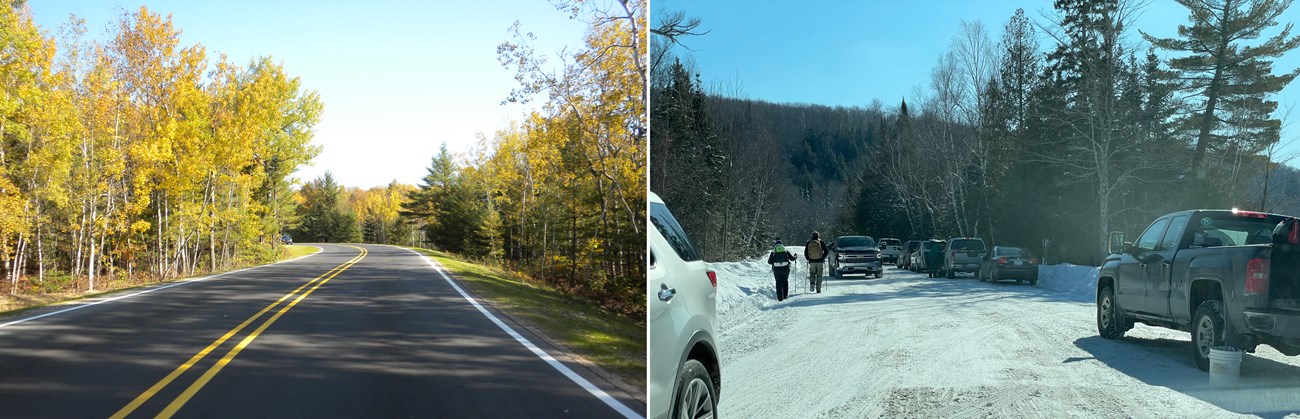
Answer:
x=353 y=331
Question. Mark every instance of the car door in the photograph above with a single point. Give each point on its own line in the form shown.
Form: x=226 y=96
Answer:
x=1130 y=290
x=680 y=298
x=1158 y=266
x=663 y=330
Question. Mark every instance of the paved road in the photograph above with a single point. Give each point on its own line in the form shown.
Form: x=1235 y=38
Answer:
x=354 y=331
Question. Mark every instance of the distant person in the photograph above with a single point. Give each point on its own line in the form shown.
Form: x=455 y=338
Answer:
x=780 y=260
x=815 y=252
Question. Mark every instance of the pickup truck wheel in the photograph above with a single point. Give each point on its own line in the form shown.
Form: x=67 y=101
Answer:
x=1207 y=331
x=1108 y=315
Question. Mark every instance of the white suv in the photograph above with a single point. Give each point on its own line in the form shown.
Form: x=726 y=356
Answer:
x=684 y=373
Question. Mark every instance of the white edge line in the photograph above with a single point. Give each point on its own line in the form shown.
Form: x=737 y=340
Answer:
x=559 y=366
x=177 y=284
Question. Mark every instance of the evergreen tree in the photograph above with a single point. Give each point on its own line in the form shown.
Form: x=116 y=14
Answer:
x=323 y=216
x=1232 y=81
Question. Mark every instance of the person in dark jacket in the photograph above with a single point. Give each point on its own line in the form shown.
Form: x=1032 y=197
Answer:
x=780 y=260
x=815 y=252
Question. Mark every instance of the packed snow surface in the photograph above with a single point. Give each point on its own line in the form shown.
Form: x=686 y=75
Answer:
x=911 y=346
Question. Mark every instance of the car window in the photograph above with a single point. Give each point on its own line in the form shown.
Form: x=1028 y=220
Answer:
x=1011 y=251
x=1235 y=231
x=1175 y=233
x=967 y=244
x=667 y=225
x=1151 y=237
x=855 y=241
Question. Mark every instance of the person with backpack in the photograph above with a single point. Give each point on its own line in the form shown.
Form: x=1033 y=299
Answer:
x=815 y=252
x=780 y=260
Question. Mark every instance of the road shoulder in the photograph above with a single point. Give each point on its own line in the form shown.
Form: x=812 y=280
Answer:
x=517 y=315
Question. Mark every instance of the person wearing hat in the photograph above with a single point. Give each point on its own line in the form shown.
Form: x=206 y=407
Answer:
x=780 y=260
x=815 y=252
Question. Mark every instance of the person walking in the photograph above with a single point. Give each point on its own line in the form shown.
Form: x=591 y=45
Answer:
x=815 y=252
x=780 y=260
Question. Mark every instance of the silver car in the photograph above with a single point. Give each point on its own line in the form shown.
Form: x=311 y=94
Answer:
x=963 y=254
x=685 y=373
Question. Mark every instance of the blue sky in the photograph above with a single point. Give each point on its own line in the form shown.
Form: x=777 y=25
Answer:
x=853 y=51
x=397 y=77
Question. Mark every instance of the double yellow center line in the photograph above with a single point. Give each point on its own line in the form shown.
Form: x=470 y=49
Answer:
x=194 y=388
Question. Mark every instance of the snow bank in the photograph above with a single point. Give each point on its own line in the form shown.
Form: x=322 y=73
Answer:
x=1079 y=282
x=746 y=287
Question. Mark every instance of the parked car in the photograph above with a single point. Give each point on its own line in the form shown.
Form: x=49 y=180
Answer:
x=1004 y=262
x=855 y=254
x=930 y=258
x=1228 y=277
x=963 y=255
x=905 y=258
x=890 y=249
x=685 y=375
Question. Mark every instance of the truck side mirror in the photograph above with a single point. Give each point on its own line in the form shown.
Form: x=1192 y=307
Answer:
x=1116 y=243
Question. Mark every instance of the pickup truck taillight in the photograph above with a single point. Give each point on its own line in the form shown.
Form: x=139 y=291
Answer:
x=1002 y=261
x=713 y=278
x=1257 y=276
x=1033 y=261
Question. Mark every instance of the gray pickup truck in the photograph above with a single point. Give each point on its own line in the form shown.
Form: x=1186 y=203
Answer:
x=1228 y=277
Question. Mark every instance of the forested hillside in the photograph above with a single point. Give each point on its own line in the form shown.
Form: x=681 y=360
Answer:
x=1009 y=140
x=140 y=157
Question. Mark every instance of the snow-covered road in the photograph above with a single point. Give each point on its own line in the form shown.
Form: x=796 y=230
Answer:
x=910 y=346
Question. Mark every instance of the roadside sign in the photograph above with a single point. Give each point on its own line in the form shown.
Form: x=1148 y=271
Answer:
x=1047 y=242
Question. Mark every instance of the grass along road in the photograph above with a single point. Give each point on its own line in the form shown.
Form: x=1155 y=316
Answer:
x=611 y=342
x=29 y=298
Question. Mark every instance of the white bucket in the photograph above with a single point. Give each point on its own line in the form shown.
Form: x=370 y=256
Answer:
x=1225 y=365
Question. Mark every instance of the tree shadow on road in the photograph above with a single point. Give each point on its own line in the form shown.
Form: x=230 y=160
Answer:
x=970 y=289
x=1267 y=388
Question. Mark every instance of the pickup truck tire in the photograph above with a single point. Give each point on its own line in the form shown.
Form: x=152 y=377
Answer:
x=880 y=275
x=1109 y=322
x=1207 y=331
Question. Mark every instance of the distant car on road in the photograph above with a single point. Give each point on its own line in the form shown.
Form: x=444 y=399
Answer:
x=890 y=249
x=1004 y=262
x=855 y=254
x=286 y=239
x=685 y=372
x=963 y=255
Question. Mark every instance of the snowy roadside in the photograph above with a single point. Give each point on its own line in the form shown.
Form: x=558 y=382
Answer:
x=912 y=346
